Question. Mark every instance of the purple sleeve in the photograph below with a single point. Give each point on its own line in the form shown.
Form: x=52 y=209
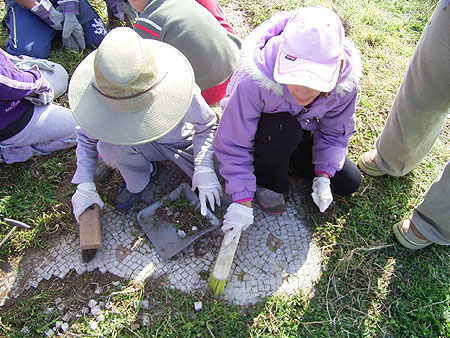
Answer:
x=234 y=141
x=16 y=84
x=333 y=135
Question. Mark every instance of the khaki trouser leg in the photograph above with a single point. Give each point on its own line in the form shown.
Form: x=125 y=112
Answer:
x=422 y=102
x=432 y=216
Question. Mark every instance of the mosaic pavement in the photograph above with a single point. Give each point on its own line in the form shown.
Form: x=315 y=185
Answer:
x=274 y=256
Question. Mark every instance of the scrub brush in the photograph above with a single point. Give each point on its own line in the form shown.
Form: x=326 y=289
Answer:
x=219 y=275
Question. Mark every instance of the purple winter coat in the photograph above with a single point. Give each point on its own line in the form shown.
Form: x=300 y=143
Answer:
x=252 y=91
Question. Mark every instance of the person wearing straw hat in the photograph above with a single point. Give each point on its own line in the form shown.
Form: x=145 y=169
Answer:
x=136 y=102
x=289 y=107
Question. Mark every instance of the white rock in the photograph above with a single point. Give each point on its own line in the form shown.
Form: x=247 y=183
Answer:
x=181 y=233
x=194 y=228
x=85 y=310
x=49 y=333
x=58 y=324
x=25 y=330
x=116 y=283
x=64 y=327
x=95 y=310
x=100 y=317
x=58 y=301
x=198 y=306
x=98 y=290
x=145 y=320
x=92 y=303
x=49 y=310
x=93 y=325
x=144 y=304
x=66 y=317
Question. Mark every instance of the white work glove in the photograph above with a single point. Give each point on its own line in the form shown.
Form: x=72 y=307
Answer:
x=238 y=218
x=25 y=62
x=73 y=34
x=209 y=188
x=84 y=197
x=321 y=194
x=45 y=10
x=44 y=94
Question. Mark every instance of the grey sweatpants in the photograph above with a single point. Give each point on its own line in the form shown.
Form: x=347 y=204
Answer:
x=133 y=162
x=416 y=119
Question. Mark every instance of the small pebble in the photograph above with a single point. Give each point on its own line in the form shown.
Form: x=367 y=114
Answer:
x=64 y=327
x=198 y=306
x=93 y=325
x=144 y=305
x=181 y=234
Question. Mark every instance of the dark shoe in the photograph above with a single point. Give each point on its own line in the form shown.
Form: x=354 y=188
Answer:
x=270 y=201
x=125 y=199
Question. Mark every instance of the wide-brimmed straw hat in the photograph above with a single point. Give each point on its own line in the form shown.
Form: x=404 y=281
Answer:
x=131 y=90
x=311 y=50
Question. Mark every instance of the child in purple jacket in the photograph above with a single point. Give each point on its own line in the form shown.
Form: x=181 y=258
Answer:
x=289 y=107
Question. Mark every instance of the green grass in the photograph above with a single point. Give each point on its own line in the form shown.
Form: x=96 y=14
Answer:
x=370 y=286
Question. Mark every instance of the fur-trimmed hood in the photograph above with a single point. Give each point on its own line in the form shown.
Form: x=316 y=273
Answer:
x=259 y=52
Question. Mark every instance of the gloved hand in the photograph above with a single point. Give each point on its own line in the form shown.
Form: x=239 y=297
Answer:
x=321 y=194
x=120 y=8
x=238 y=218
x=45 y=10
x=42 y=95
x=73 y=34
x=209 y=188
x=84 y=197
x=25 y=62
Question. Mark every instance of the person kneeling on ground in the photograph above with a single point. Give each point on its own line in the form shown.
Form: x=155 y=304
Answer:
x=30 y=123
x=290 y=106
x=137 y=112
x=33 y=24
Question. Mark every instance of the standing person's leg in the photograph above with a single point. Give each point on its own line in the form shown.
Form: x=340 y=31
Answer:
x=430 y=221
x=421 y=105
x=432 y=216
x=28 y=34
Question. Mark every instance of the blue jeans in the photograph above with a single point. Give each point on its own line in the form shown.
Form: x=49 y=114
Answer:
x=31 y=36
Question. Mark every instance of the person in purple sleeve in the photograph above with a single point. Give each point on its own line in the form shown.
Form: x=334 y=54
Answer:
x=289 y=108
x=33 y=24
x=30 y=124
